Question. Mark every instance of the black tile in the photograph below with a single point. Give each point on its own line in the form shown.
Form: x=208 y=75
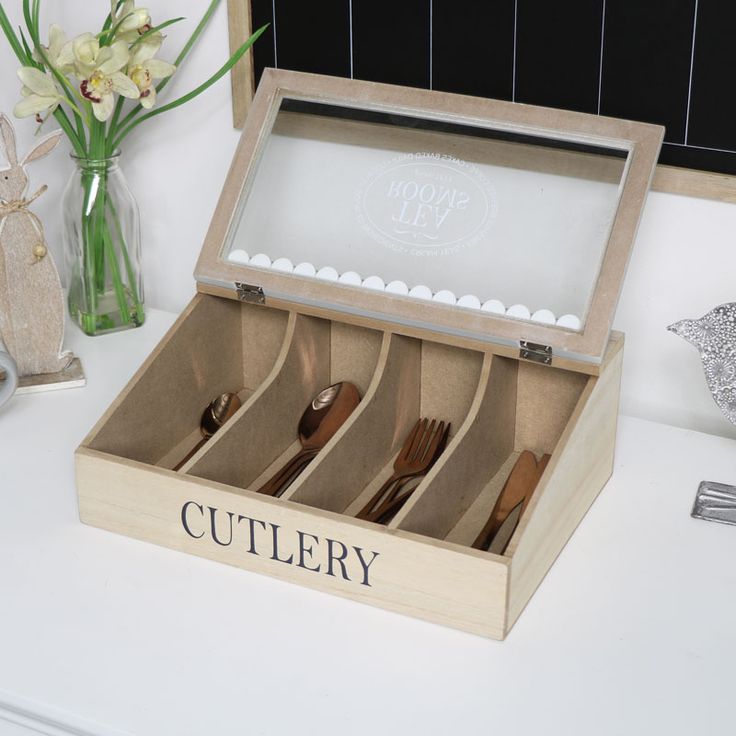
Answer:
x=646 y=62
x=698 y=158
x=473 y=47
x=558 y=53
x=712 y=100
x=263 y=48
x=391 y=41
x=645 y=66
x=313 y=37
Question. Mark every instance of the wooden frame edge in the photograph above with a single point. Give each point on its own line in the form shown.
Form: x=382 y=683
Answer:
x=586 y=346
x=242 y=75
x=695 y=183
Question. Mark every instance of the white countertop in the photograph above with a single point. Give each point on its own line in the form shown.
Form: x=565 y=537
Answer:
x=631 y=632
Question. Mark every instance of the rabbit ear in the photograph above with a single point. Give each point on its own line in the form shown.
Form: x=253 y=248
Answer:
x=7 y=135
x=44 y=146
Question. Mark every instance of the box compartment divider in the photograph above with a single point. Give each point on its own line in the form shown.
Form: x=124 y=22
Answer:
x=156 y=418
x=263 y=436
x=479 y=449
x=262 y=429
x=447 y=382
x=372 y=435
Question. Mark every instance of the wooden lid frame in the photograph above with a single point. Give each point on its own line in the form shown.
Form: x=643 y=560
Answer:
x=582 y=349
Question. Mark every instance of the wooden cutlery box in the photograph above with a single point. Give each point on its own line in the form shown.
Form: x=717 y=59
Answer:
x=453 y=257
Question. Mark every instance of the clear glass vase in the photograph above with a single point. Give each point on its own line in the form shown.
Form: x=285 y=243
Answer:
x=101 y=225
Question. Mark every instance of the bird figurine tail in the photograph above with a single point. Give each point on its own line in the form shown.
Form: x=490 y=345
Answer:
x=714 y=335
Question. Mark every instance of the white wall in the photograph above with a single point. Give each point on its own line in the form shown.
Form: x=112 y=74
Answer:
x=684 y=261
x=684 y=264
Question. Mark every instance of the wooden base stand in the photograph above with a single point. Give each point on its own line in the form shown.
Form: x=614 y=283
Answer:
x=71 y=377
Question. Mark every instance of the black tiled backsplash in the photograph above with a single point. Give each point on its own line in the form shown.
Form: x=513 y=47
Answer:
x=646 y=63
x=391 y=41
x=473 y=47
x=654 y=60
x=299 y=21
x=558 y=53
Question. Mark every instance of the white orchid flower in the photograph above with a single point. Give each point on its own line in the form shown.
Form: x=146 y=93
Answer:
x=143 y=69
x=40 y=93
x=133 y=23
x=81 y=54
x=132 y=18
x=57 y=41
x=99 y=70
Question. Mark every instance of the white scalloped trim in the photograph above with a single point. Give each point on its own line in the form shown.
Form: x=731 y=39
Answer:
x=418 y=291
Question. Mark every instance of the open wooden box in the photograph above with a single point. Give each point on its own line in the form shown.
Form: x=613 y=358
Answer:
x=464 y=197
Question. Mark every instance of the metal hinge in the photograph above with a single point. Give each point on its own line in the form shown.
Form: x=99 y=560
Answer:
x=536 y=352
x=250 y=293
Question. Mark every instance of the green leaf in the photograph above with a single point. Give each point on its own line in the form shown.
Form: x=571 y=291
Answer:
x=195 y=35
x=36 y=14
x=107 y=37
x=9 y=33
x=13 y=39
x=224 y=69
x=108 y=20
x=177 y=62
x=28 y=51
x=66 y=126
x=28 y=17
x=112 y=127
x=153 y=30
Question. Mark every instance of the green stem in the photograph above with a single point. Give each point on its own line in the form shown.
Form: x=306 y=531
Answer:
x=117 y=281
x=106 y=247
x=97 y=143
x=66 y=126
x=224 y=69
x=132 y=276
x=112 y=127
x=89 y=293
x=80 y=130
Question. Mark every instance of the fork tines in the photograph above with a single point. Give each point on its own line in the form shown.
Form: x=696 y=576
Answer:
x=422 y=447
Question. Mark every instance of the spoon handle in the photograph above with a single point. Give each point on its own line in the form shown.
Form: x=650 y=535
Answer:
x=299 y=461
x=191 y=453
x=296 y=469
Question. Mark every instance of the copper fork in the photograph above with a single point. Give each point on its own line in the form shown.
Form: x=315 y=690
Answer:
x=421 y=448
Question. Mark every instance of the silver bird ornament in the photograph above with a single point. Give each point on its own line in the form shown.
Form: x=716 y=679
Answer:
x=714 y=335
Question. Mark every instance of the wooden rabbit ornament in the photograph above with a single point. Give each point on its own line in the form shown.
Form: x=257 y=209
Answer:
x=31 y=299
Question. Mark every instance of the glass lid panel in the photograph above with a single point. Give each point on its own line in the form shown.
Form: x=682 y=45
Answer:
x=483 y=218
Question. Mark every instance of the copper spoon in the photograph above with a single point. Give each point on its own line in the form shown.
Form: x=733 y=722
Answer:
x=216 y=413
x=319 y=423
